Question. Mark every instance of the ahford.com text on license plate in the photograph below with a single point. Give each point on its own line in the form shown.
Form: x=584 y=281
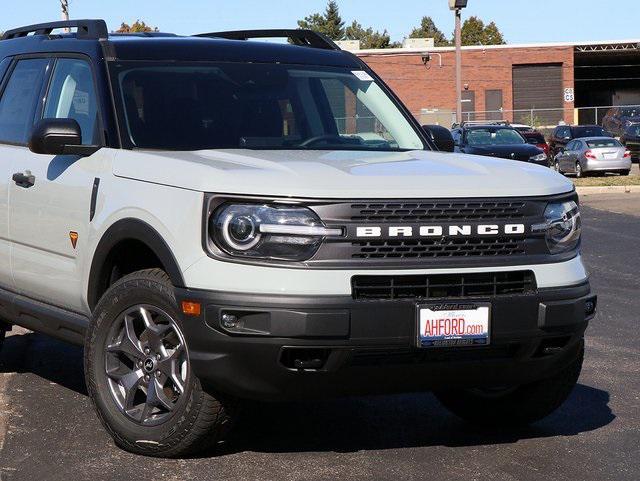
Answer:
x=448 y=325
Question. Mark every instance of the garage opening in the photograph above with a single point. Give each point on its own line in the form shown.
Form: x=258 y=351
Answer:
x=605 y=76
x=537 y=94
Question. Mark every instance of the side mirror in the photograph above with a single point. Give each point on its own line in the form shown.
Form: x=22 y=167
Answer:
x=441 y=136
x=59 y=137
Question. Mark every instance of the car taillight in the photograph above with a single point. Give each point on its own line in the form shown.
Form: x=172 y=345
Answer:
x=627 y=154
x=589 y=155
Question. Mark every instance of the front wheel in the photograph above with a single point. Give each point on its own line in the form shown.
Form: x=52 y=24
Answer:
x=515 y=406
x=139 y=376
x=625 y=172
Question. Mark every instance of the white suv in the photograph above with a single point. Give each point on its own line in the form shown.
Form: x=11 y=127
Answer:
x=218 y=219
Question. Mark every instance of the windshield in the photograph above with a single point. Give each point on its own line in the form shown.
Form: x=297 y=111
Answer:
x=258 y=106
x=489 y=136
x=630 y=112
x=599 y=143
x=594 y=131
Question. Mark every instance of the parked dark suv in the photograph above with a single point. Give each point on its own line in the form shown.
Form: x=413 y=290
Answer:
x=630 y=138
x=619 y=118
x=563 y=134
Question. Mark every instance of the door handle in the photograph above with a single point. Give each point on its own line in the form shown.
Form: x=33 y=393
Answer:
x=26 y=179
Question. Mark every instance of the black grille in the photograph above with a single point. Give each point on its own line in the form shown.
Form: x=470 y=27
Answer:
x=442 y=285
x=441 y=211
x=472 y=247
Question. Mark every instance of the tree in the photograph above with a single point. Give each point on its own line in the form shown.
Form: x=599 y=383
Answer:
x=369 y=38
x=137 y=27
x=428 y=29
x=493 y=36
x=329 y=23
x=474 y=32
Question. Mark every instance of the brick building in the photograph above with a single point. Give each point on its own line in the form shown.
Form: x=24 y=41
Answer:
x=541 y=82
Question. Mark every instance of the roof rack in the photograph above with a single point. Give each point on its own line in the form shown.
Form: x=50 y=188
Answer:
x=86 y=29
x=301 y=37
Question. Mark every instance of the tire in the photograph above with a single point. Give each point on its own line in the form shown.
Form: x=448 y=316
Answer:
x=625 y=172
x=518 y=406
x=4 y=328
x=179 y=417
x=579 y=172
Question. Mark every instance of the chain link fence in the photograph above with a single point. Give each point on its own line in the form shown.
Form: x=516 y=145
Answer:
x=542 y=119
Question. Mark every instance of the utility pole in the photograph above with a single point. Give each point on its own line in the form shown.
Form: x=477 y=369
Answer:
x=65 y=9
x=457 y=6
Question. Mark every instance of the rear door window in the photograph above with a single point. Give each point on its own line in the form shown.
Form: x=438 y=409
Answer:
x=19 y=100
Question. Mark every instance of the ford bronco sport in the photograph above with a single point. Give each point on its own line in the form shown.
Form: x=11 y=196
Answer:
x=219 y=219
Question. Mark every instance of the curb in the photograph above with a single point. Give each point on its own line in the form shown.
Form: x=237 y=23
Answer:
x=608 y=189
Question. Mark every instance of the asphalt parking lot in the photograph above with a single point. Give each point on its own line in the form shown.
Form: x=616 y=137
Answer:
x=49 y=431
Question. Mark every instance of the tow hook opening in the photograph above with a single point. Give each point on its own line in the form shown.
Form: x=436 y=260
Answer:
x=551 y=346
x=306 y=359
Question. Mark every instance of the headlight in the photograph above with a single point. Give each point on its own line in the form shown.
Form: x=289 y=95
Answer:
x=562 y=226
x=268 y=231
x=538 y=158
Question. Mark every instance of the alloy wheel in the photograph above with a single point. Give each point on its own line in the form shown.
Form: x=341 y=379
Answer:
x=146 y=364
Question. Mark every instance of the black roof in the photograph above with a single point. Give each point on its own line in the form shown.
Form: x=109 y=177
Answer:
x=92 y=40
x=219 y=49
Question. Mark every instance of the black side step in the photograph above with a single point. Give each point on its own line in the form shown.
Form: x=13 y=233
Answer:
x=41 y=317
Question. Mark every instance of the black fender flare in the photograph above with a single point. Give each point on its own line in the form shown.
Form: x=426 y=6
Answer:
x=131 y=229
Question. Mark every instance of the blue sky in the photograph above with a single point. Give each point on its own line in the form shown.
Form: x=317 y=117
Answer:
x=522 y=21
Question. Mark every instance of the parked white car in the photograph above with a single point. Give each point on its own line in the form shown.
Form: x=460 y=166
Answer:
x=217 y=219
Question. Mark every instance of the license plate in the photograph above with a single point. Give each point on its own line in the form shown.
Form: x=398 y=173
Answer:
x=453 y=324
x=610 y=155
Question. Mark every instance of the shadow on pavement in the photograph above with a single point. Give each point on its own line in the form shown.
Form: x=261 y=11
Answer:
x=344 y=425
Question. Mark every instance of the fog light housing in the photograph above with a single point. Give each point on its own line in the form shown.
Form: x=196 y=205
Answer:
x=229 y=321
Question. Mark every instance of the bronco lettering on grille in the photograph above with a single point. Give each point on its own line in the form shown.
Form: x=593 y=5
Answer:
x=439 y=231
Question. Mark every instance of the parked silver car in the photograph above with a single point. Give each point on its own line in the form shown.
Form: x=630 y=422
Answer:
x=597 y=155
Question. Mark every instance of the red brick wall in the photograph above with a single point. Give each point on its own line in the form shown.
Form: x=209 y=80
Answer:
x=488 y=69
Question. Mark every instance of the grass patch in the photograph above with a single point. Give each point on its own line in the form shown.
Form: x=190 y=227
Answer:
x=607 y=181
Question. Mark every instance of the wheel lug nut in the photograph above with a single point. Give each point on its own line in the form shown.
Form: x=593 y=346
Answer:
x=147 y=350
x=157 y=373
x=158 y=357
x=146 y=377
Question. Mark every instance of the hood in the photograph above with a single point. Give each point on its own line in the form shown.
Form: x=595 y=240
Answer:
x=514 y=152
x=340 y=174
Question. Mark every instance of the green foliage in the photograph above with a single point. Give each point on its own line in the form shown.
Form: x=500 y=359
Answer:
x=428 y=29
x=369 y=38
x=475 y=32
x=329 y=23
x=493 y=36
x=137 y=27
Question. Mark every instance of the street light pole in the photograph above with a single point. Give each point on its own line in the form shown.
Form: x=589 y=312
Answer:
x=458 y=66
x=65 y=9
x=457 y=6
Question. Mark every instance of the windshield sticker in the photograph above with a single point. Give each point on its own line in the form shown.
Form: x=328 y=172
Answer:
x=362 y=75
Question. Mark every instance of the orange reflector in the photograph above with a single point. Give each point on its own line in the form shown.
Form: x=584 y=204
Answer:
x=191 y=308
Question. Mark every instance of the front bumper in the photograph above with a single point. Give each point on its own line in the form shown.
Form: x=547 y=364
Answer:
x=301 y=347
